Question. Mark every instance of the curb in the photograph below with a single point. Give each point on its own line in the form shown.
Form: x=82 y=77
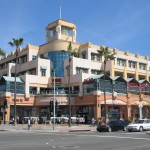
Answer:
x=79 y=130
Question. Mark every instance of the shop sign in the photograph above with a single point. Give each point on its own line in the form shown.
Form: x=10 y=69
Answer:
x=18 y=100
x=56 y=79
x=139 y=103
x=88 y=81
x=132 y=84
x=58 y=82
x=145 y=85
x=45 y=100
x=117 y=102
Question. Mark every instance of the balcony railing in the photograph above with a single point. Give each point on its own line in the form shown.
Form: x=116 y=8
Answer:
x=50 y=92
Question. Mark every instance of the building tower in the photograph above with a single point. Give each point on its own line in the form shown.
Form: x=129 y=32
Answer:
x=61 y=30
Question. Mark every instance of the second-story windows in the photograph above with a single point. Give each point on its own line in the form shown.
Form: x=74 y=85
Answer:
x=121 y=62
x=95 y=57
x=23 y=59
x=43 y=72
x=94 y=71
x=32 y=71
x=34 y=57
x=79 y=70
x=2 y=66
x=142 y=66
x=132 y=64
x=83 y=54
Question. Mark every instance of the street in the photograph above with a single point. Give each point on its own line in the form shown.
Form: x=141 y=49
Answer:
x=32 y=140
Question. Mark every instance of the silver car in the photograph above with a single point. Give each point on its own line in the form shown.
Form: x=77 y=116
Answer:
x=139 y=125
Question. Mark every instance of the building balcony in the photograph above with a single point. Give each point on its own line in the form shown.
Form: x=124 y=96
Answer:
x=51 y=92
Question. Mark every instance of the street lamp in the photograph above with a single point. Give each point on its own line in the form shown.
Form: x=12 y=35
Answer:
x=54 y=104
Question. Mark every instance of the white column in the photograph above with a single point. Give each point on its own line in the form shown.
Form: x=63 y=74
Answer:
x=74 y=35
x=47 y=35
x=140 y=111
x=80 y=87
x=58 y=30
x=38 y=90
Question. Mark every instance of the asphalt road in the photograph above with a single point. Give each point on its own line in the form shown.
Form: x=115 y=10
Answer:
x=31 y=140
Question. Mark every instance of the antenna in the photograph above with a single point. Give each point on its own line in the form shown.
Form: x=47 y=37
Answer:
x=60 y=10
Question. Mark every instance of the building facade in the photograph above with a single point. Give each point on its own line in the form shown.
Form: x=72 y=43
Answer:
x=127 y=79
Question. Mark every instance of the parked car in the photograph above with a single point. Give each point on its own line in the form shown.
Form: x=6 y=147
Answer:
x=113 y=125
x=139 y=125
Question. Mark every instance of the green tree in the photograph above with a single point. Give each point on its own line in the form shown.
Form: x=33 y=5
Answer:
x=108 y=55
x=16 y=43
x=70 y=47
x=73 y=52
x=2 y=52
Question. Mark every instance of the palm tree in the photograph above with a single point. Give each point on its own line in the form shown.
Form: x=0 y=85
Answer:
x=68 y=68
x=75 y=53
x=17 y=43
x=108 y=55
x=2 y=52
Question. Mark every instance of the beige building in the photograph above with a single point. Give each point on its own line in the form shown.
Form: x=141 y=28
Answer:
x=36 y=66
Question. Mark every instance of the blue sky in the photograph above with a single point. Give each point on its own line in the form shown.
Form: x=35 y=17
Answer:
x=121 y=24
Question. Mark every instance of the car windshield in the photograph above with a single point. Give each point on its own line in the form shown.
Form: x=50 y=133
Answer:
x=139 y=122
x=111 y=123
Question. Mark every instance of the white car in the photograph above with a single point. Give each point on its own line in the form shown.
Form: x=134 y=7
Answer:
x=139 y=125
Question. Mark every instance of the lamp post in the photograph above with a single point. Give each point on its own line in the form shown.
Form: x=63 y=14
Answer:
x=104 y=90
x=69 y=95
x=54 y=104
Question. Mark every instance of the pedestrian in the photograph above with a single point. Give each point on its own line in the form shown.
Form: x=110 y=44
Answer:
x=93 y=121
x=29 y=124
x=13 y=120
x=17 y=119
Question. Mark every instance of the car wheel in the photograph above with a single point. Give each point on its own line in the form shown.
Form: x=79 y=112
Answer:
x=99 y=130
x=109 y=129
x=129 y=130
x=141 y=129
x=124 y=128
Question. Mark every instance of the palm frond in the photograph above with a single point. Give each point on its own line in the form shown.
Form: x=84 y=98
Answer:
x=70 y=46
x=2 y=52
x=11 y=44
x=16 y=42
x=100 y=52
x=106 y=53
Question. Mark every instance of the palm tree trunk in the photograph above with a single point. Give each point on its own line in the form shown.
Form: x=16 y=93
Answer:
x=104 y=90
x=15 y=111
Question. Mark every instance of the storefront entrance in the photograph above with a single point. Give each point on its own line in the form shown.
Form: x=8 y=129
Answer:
x=113 y=113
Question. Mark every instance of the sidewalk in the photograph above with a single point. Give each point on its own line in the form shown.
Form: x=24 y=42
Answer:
x=49 y=128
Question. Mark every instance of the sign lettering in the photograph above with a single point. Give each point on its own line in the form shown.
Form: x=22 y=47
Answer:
x=133 y=84
x=56 y=79
x=88 y=81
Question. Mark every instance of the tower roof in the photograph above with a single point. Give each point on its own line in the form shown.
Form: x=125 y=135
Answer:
x=62 y=23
